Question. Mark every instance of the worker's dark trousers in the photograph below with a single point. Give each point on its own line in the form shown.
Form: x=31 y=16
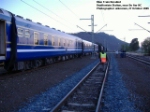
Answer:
x=103 y=66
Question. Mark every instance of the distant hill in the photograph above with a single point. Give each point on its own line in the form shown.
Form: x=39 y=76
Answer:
x=110 y=41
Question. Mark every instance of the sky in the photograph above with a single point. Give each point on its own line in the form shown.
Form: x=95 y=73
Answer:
x=65 y=15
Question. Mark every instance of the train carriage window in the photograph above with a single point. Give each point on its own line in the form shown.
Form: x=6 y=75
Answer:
x=45 y=39
x=64 y=43
x=27 y=33
x=53 y=41
x=20 y=32
x=68 y=43
x=36 y=38
x=59 y=42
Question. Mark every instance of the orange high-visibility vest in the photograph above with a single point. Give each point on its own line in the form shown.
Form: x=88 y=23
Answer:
x=103 y=57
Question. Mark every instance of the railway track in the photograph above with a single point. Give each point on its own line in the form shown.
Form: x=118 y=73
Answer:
x=140 y=59
x=87 y=94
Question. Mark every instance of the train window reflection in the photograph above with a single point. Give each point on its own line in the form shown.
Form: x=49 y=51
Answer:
x=59 y=42
x=20 y=32
x=64 y=43
x=53 y=41
x=27 y=34
x=36 y=38
x=45 y=39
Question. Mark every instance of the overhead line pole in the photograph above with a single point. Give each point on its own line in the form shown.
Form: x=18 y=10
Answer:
x=135 y=29
x=144 y=16
x=92 y=27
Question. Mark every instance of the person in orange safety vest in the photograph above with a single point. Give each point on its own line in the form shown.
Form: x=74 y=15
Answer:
x=103 y=58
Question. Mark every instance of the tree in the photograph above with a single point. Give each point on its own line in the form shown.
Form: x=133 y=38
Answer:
x=146 y=46
x=134 y=45
x=125 y=47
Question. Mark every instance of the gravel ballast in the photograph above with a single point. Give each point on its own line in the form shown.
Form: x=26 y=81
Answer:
x=116 y=95
x=127 y=88
x=47 y=100
x=18 y=90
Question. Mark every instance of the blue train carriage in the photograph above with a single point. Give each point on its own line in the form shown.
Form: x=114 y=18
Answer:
x=87 y=49
x=34 y=43
x=95 y=48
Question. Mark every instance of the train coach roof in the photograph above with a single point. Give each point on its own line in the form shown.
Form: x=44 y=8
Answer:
x=5 y=12
x=39 y=25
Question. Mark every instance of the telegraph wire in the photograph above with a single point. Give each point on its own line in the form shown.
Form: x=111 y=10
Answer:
x=57 y=15
x=52 y=12
x=69 y=9
x=47 y=15
x=43 y=13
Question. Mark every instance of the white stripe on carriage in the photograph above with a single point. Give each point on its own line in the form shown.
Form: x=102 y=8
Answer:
x=43 y=50
x=36 y=50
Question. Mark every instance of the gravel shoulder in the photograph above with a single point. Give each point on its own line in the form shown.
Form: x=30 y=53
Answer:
x=16 y=91
x=137 y=80
x=127 y=88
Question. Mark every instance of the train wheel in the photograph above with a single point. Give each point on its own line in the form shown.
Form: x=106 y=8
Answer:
x=28 y=65
x=47 y=61
x=63 y=58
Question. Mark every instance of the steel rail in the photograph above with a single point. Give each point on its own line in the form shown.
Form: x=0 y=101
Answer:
x=61 y=103
x=102 y=88
x=56 y=108
x=138 y=60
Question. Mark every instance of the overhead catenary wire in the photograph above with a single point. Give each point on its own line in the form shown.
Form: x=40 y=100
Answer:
x=51 y=11
x=44 y=13
x=48 y=15
x=101 y=28
x=69 y=9
x=57 y=15
x=83 y=30
x=142 y=27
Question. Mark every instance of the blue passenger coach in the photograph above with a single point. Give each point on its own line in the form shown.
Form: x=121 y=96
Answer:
x=25 y=44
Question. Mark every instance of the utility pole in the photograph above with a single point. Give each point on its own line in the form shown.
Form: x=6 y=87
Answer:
x=92 y=28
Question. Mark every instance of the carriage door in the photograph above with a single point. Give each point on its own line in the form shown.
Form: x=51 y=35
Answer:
x=82 y=47
x=76 y=46
x=2 y=38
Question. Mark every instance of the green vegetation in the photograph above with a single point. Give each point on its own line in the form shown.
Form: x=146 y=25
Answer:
x=125 y=47
x=146 y=46
x=133 y=46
